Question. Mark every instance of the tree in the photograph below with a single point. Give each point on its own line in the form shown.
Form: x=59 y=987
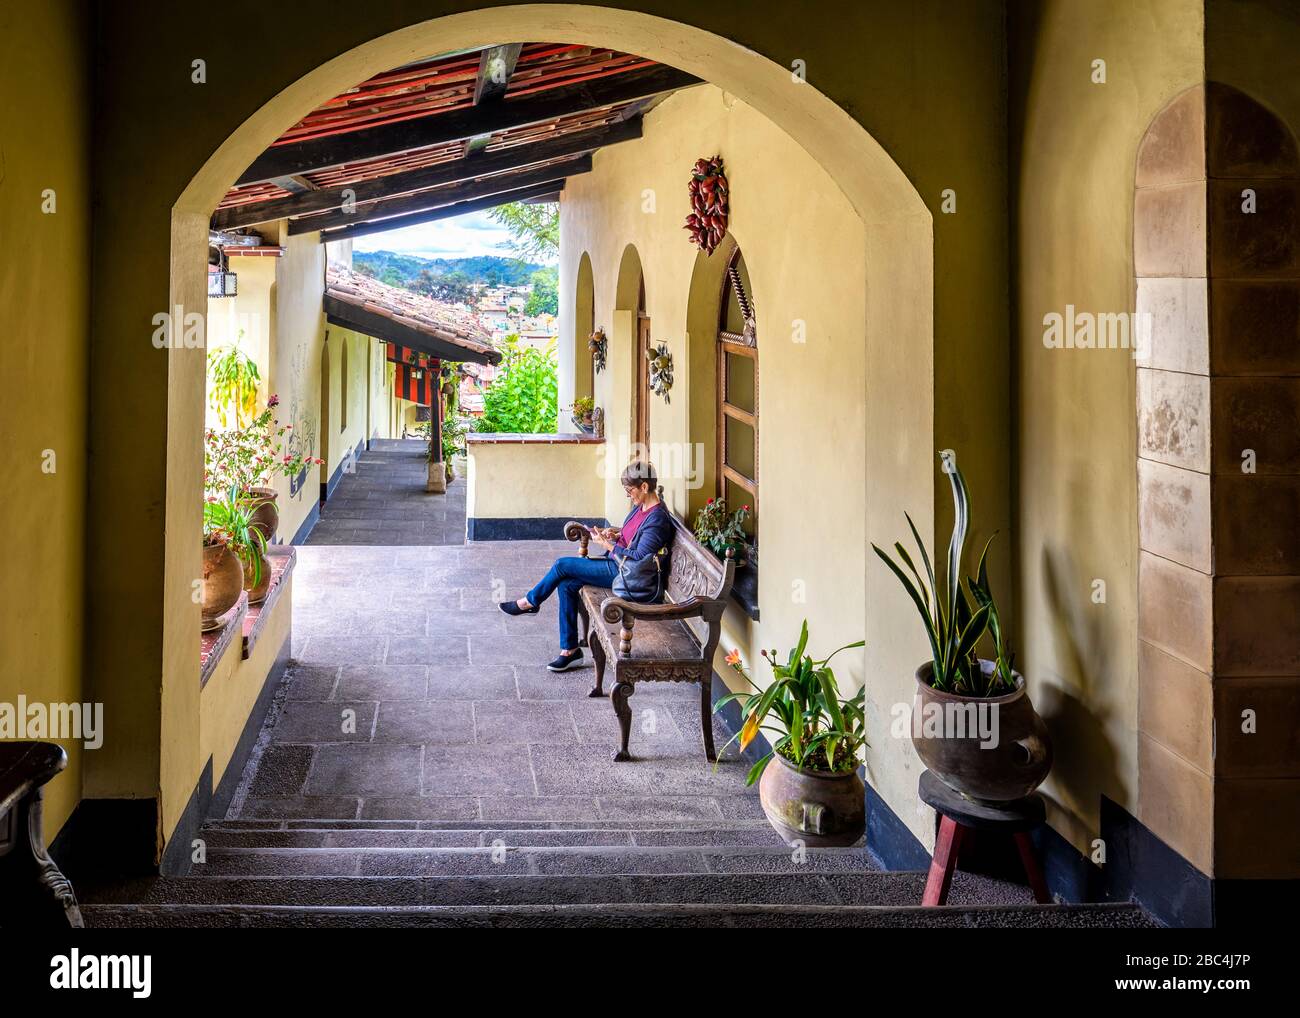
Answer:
x=545 y=296
x=453 y=287
x=524 y=395
x=534 y=228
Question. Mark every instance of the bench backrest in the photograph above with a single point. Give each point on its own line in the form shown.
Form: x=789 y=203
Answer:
x=694 y=571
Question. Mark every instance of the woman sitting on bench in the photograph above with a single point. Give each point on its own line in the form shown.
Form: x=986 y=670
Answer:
x=646 y=530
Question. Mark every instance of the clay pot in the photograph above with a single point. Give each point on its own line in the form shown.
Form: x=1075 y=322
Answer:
x=256 y=595
x=266 y=517
x=994 y=749
x=821 y=810
x=223 y=581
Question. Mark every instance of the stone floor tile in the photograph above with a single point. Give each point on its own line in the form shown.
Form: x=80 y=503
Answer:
x=443 y=722
x=502 y=722
x=331 y=721
x=477 y=770
x=365 y=770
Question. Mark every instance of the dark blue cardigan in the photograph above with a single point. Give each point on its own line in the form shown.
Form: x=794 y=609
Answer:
x=656 y=531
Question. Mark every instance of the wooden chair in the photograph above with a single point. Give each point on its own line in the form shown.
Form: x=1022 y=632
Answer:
x=674 y=641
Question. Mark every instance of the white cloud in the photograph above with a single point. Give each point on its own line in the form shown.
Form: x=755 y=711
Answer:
x=465 y=236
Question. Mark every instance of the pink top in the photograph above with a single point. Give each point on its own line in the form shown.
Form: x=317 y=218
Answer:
x=631 y=526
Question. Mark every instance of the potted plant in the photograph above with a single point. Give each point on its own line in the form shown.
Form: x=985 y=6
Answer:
x=584 y=410
x=721 y=531
x=233 y=380
x=232 y=518
x=223 y=576
x=247 y=459
x=814 y=793
x=972 y=721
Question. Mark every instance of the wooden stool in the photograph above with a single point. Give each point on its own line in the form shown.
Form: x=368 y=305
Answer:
x=959 y=814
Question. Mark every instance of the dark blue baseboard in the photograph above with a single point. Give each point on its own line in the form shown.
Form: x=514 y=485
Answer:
x=307 y=525
x=327 y=488
x=526 y=528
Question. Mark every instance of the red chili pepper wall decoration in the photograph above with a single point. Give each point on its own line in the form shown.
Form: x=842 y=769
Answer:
x=707 y=222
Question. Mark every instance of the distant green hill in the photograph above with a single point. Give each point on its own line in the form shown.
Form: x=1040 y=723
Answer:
x=403 y=270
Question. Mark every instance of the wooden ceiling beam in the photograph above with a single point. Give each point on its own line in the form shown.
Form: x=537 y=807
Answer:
x=423 y=201
x=443 y=212
x=495 y=68
x=374 y=142
x=366 y=191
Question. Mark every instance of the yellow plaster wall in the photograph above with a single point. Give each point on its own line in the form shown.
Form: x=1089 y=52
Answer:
x=231 y=691
x=514 y=480
x=928 y=63
x=1075 y=422
x=806 y=266
x=249 y=312
x=45 y=297
x=296 y=365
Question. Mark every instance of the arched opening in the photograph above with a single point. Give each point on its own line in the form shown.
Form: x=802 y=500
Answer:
x=631 y=337
x=584 y=323
x=897 y=280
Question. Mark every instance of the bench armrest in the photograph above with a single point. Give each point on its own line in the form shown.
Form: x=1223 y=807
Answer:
x=575 y=531
x=625 y=613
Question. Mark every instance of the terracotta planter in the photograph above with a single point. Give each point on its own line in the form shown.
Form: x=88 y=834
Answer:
x=821 y=810
x=256 y=595
x=994 y=749
x=266 y=517
x=223 y=581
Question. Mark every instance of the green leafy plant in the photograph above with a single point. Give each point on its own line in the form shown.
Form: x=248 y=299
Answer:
x=524 y=395
x=956 y=618
x=720 y=530
x=583 y=407
x=228 y=520
x=815 y=729
x=233 y=378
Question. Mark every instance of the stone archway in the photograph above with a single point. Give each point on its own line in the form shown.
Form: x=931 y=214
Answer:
x=1217 y=259
x=899 y=283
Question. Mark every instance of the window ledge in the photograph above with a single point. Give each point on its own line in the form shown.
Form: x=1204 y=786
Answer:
x=214 y=643
x=282 y=559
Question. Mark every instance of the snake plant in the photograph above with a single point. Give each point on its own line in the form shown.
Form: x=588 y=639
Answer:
x=958 y=617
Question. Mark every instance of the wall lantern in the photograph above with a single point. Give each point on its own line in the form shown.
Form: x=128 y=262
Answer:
x=221 y=281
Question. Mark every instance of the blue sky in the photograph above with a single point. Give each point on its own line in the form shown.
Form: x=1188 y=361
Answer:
x=465 y=236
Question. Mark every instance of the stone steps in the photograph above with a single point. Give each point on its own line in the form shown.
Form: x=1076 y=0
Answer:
x=758 y=835
x=534 y=859
x=615 y=916
x=891 y=889
x=332 y=873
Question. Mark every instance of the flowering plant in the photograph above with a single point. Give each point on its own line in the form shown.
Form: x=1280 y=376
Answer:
x=244 y=458
x=817 y=730
x=719 y=530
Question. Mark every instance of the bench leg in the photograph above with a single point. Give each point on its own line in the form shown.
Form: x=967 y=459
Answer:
x=598 y=658
x=620 y=694
x=706 y=718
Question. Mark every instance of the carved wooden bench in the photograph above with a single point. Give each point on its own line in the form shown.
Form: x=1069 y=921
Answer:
x=32 y=890
x=669 y=642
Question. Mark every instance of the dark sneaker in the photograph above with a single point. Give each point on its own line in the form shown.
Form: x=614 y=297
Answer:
x=511 y=608
x=566 y=661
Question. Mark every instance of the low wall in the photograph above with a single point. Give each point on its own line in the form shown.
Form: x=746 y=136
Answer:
x=525 y=487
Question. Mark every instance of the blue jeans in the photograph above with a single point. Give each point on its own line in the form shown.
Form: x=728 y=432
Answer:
x=569 y=575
